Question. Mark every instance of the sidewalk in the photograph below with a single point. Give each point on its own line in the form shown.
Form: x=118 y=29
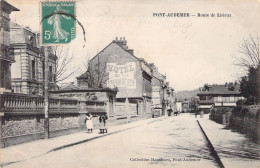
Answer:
x=233 y=148
x=37 y=148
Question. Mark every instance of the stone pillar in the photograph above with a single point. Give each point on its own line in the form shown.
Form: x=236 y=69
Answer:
x=140 y=105
x=0 y=127
x=107 y=108
x=114 y=106
x=35 y=128
x=1 y=131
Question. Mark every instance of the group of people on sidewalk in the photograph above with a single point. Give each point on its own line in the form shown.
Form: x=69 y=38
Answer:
x=102 y=123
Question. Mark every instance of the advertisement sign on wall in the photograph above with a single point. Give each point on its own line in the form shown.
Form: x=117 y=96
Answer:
x=122 y=75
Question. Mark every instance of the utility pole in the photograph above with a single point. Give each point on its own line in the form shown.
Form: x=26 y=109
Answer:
x=46 y=95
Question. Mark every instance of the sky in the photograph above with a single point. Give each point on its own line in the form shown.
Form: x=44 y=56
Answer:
x=191 y=51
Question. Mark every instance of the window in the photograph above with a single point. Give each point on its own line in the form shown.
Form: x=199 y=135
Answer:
x=203 y=98
x=227 y=99
x=33 y=69
x=50 y=73
x=232 y=98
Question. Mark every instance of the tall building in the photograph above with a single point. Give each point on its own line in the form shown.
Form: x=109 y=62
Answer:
x=28 y=70
x=117 y=66
x=6 y=51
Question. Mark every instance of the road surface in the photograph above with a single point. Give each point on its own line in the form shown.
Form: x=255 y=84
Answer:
x=169 y=142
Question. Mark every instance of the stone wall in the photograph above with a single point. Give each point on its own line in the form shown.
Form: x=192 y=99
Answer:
x=19 y=129
x=121 y=109
x=67 y=122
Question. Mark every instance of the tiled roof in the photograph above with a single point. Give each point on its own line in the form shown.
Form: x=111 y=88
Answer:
x=221 y=90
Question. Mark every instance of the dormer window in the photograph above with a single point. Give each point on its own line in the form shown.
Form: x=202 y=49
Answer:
x=30 y=38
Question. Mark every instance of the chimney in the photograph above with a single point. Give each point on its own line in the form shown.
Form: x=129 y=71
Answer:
x=122 y=42
x=152 y=65
x=131 y=51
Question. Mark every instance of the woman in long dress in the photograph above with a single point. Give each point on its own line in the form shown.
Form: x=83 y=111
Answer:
x=55 y=20
x=89 y=123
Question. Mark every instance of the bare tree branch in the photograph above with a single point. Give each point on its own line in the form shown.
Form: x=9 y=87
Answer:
x=96 y=75
x=63 y=63
x=249 y=53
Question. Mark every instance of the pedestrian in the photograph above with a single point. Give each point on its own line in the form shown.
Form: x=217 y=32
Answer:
x=196 y=113
x=102 y=123
x=105 y=119
x=89 y=123
x=201 y=113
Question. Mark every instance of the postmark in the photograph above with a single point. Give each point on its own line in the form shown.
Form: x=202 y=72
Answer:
x=58 y=24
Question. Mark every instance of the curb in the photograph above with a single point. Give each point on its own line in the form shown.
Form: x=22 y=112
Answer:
x=212 y=149
x=79 y=142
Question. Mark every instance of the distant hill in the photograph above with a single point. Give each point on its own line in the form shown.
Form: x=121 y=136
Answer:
x=186 y=94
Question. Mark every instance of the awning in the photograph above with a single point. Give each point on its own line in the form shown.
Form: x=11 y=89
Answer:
x=205 y=106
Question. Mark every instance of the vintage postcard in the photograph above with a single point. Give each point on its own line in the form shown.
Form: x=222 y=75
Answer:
x=129 y=83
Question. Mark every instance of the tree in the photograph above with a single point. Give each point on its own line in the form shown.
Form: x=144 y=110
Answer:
x=249 y=85
x=248 y=56
x=64 y=70
x=95 y=75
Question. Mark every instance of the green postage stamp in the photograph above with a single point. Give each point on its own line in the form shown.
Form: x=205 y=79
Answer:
x=57 y=22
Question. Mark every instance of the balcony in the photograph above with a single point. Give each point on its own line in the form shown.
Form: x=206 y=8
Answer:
x=7 y=53
x=22 y=104
x=217 y=101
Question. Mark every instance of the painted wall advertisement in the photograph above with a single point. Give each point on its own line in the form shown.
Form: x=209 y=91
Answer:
x=122 y=75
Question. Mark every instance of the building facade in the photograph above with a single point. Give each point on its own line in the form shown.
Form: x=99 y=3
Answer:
x=116 y=66
x=179 y=106
x=186 y=106
x=158 y=91
x=219 y=95
x=28 y=70
x=6 y=51
x=171 y=100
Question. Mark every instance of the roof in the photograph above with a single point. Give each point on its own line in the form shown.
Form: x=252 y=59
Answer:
x=70 y=86
x=14 y=25
x=126 y=50
x=83 y=76
x=221 y=90
x=7 y=5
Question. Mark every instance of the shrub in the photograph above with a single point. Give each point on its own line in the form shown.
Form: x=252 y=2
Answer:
x=236 y=110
